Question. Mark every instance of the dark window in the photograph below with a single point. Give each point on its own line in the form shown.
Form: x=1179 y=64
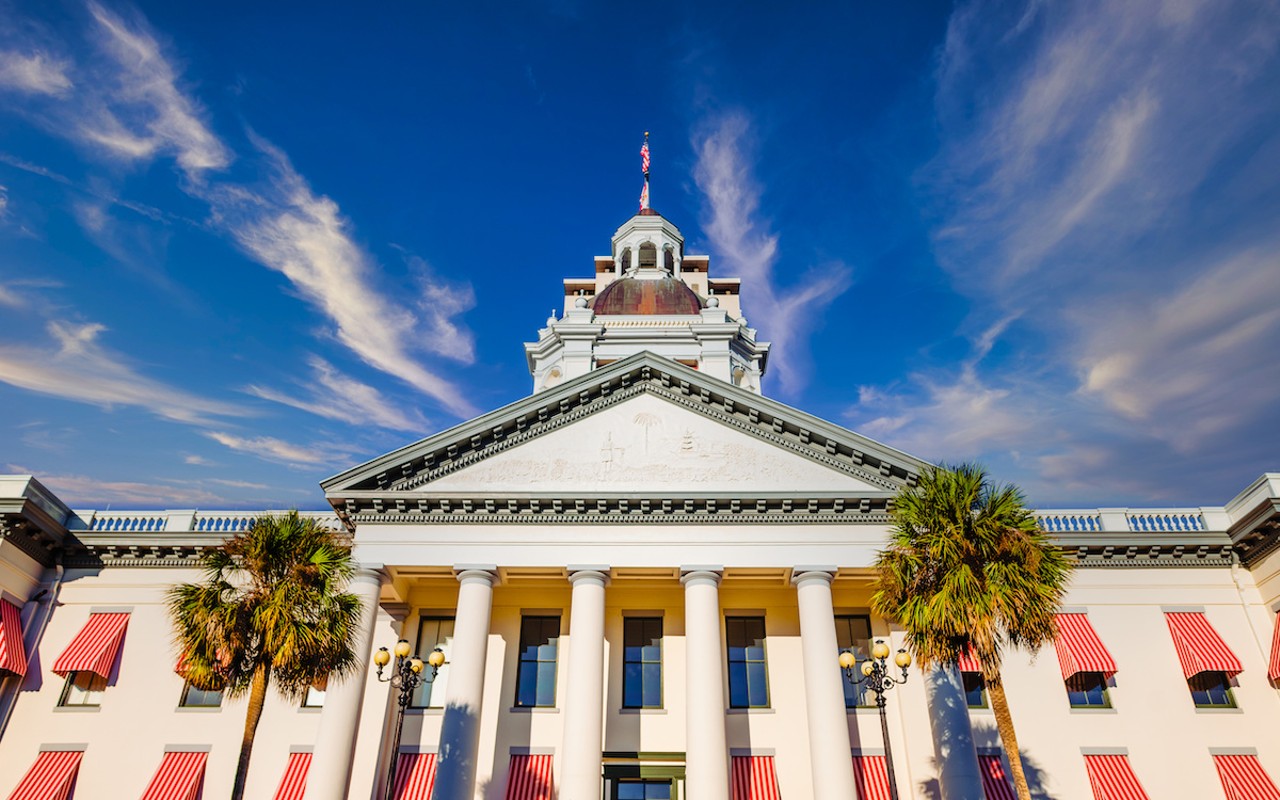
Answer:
x=975 y=689
x=83 y=689
x=1088 y=690
x=536 y=674
x=1211 y=690
x=432 y=633
x=748 y=677
x=648 y=256
x=854 y=633
x=642 y=662
x=626 y=259
x=642 y=790
x=193 y=697
x=669 y=260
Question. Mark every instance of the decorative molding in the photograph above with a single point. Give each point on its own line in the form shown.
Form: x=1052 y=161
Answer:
x=414 y=466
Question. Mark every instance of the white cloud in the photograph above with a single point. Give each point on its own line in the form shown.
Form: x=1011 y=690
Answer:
x=143 y=111
x=1106 y=176
x=305 y=237
x=269 y=448
x=197 y=461
x=132 y=107
x=80 y=368
x=749 y=251
x=84 y=491
x=35 y=73
x=336 y=396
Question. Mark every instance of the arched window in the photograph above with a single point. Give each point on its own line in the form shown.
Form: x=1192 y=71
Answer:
x=669 y=260
x=625 y=261
x=648 y=256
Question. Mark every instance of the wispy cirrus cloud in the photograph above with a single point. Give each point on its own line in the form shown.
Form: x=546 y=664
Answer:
x=79 y=367
x=83 y=490
x=285 y=226
x=1106 y=177
x=130 y=105
x=749 y=250
x=33 y=73
x=280 y=451
x=145 y=112
x=333 y=395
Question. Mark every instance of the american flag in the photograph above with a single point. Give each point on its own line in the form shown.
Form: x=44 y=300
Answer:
x=644 y=155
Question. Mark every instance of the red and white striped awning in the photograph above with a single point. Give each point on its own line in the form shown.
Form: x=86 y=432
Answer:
x=529 y=778
x=415 y=776
x=969 y=662
x=871 y=778
x=1200 y=648
x=1273 y=669
x=294 y=783
x=13 y=658
x=1112 y=778
x=995 y=783
x=754 y=778
x=1244 y=779
x=179 y=777
x=51 y=777
x=1079 y=648
x=95 y=647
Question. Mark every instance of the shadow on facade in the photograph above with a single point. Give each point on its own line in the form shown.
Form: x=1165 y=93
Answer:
x=456 y=756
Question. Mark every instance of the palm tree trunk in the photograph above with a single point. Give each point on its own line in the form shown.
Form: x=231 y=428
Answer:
x=257 y=698
x=1004 y=723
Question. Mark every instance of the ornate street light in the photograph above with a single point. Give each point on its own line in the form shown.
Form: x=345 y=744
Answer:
x=875 y=674
x=406 y=676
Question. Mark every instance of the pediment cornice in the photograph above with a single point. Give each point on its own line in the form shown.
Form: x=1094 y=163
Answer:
x=412 y=468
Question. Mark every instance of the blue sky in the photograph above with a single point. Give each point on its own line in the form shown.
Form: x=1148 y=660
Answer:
x=244 y=246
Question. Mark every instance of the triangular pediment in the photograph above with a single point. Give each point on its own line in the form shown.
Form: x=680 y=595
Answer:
x=649 y=442
x=640 y=435
x=645 y=424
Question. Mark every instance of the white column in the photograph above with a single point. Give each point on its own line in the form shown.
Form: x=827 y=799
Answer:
x=580 y=771
x=958 y=772
x=829 y=750
x=460 y=729
x=707 y=756
x=336 y=742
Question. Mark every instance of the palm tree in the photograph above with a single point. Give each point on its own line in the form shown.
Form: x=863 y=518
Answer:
x=270 y=610
x=968 y=569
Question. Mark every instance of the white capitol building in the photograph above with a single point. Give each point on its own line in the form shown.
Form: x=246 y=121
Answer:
x=640 y=576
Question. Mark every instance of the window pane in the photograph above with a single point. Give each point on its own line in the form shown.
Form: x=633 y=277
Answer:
x=738 y=685
x=199 y=698
x=547 y=683
x=642 y=662
x=759 y=686
x=1211 y=689
x=630 y=790
x=975 y=689
x=652 y=685
x=83 y=689
x=433 y=633
x=1088 y=689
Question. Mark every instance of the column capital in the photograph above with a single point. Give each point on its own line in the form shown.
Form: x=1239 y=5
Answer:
x=600 y=574
x=468 y=573
x=692 y=573
x=807 y=573
x=370 y=571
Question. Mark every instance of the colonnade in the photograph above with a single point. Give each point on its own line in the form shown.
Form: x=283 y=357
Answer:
x=706 y=755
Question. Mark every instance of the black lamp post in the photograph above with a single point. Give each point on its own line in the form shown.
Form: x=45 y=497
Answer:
x=875 y=674
x=406 y=676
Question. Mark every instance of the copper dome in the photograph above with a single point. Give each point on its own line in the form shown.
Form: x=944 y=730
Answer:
x=663 y=296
